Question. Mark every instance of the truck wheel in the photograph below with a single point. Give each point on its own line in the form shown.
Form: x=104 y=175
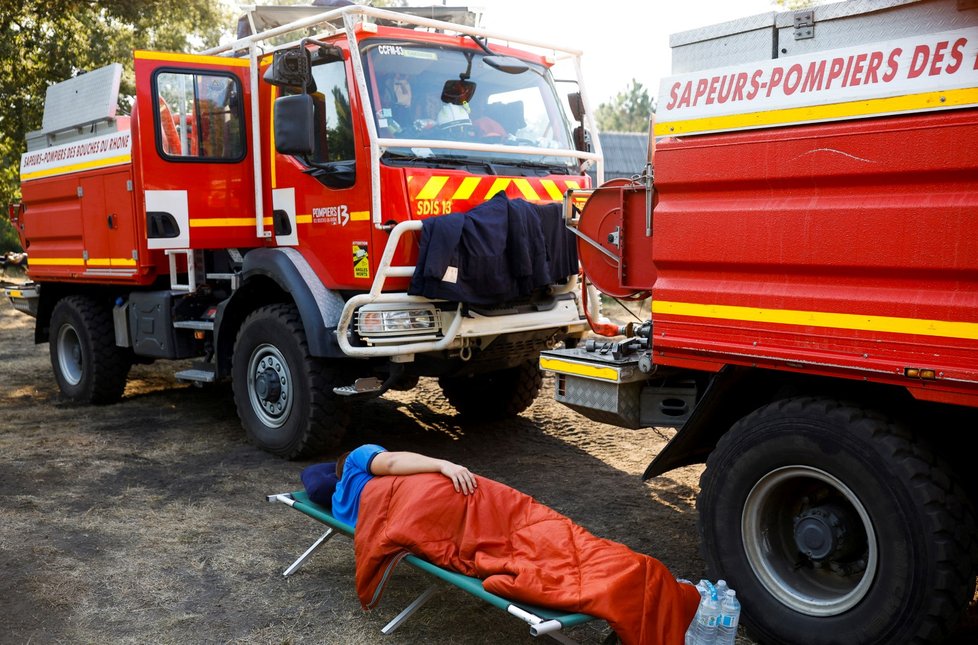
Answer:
x=492 y=396
x=283 y=395
x=87 y=364
x=834 y=525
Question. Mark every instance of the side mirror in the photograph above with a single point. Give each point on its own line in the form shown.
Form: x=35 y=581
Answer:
x=582 y=139
x=295 y=125
x=457 y=92
x=328 y=53
x=290 y=69
x=576 y=106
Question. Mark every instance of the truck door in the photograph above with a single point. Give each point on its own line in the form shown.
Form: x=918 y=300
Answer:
x=194 y=156
x=321 y=203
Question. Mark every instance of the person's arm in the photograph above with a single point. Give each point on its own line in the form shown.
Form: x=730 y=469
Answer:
x=412 y=463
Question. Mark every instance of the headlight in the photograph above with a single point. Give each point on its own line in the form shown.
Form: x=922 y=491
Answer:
x=373 y=321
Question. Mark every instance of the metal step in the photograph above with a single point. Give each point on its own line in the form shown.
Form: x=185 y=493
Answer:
x=360 y=386
x=196 y=375
x=202 y=325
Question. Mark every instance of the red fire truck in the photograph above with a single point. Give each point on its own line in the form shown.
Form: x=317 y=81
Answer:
x=261 y=209
x=807 y=236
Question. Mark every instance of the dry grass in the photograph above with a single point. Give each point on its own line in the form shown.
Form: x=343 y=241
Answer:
x=145 y=521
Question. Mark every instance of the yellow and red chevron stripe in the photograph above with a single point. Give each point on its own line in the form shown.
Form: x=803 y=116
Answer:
x=467 y=188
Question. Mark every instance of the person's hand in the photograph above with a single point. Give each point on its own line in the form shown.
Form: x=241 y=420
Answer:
x=463 y=480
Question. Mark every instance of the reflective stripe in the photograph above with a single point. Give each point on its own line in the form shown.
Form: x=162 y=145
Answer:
x=815 y=113
x=77 y=262
x=467 y=187
x=173 y=57
x=527 y=190
x=483 y=188
x=498 y=185
x=859 y=322
x=85 y=165
x=74 y=262
x=111 y=262
x=579 y=369
x=552 y=190
x=432 y=187
x=216 y=222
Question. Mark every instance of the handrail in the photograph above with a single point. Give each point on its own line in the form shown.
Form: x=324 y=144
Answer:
x=386 y=269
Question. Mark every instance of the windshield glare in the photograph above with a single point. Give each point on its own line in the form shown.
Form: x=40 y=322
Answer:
x=406 y=82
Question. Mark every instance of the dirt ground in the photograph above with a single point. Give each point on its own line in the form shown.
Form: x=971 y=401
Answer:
x=146 y=521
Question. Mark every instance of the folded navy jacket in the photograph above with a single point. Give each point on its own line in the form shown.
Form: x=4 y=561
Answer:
x=499 y=251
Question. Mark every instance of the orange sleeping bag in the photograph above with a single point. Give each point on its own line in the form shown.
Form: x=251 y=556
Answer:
x=522 y=550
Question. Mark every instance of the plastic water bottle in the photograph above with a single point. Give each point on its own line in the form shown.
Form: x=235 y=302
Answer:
x=707 y=619
x=721 y=589
x=691 y=630
x=729 y=619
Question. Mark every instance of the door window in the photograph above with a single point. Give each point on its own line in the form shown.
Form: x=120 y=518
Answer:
x=199 y=116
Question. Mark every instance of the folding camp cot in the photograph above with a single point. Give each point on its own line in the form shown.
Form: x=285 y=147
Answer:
x=542 y=621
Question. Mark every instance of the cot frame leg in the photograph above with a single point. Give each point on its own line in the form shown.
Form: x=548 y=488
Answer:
x=540 y=626
x=308 y=552
x=408 y=611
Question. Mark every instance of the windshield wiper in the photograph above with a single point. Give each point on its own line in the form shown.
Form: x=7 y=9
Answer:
x=554 y=169
x=439 y=160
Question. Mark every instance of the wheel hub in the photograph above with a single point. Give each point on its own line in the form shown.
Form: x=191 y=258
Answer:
x=821 y=533
x=268 y=386
x=819 y=559
x=70 y=355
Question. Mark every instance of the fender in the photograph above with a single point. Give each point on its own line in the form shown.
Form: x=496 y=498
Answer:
x=737 y=390
x=319 y=307
x=732 y=393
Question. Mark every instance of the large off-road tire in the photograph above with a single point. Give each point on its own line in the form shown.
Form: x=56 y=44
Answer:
x=87 y=364
x=492 y=396
x=835 y=525
x=283 y=395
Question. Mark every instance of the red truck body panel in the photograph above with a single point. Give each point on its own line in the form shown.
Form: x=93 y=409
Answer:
x=840 y=249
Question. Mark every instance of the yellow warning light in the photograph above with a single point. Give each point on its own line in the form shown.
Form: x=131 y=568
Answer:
x=917 y=372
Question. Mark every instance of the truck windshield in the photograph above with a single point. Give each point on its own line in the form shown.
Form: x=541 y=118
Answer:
x=405 y=81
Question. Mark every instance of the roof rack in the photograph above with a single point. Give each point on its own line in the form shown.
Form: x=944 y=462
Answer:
x=260 y=18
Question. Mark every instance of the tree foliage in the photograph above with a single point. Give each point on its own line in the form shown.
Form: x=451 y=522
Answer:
x=629 y=111
x=46 y=41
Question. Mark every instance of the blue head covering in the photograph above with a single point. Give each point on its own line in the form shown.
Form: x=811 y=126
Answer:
x=320 y=482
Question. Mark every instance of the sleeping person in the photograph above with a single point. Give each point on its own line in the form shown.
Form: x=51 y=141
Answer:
x=404 y=502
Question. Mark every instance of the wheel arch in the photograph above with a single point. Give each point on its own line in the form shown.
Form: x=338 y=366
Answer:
x=736 y=391
x=270 y=276
x=51 y=293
